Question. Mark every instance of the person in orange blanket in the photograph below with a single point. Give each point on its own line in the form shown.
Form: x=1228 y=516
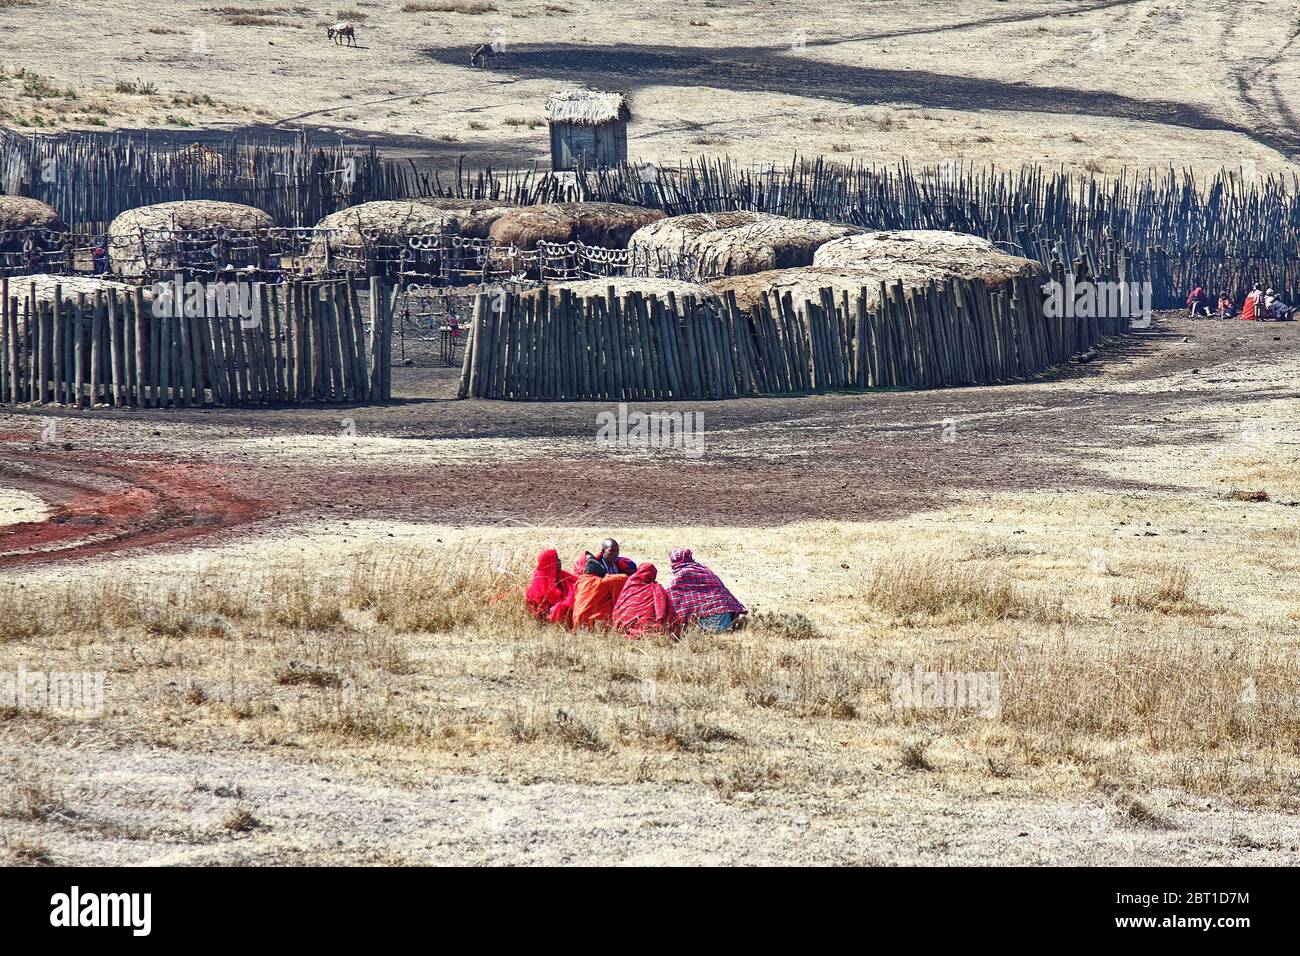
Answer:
x=644 y=607
x=550 y=595
x=596 y=594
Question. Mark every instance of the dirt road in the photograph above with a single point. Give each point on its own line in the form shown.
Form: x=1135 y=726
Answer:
x=117 y=480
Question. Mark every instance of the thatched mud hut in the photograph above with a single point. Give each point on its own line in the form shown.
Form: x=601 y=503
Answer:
x=995 y=268
x=380 y=227
x=605 y=224
x=144 y=239
x=19 y=214
x=736 y=243
x=903 y=245
x=475 y=216
x=677 y=236
x=70 y=286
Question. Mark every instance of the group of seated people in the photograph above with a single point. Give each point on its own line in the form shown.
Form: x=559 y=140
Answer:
x=609 y=590
x=1260 y=304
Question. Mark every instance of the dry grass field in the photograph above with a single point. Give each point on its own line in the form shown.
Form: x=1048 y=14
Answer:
x=1089 y=84
x=351 y=678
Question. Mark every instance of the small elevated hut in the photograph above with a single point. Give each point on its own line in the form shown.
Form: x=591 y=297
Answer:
x=197 y=234
x=588 y=128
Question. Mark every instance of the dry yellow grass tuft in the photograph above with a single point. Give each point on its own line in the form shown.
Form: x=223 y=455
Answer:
x=930 y=587
x=1168 y=591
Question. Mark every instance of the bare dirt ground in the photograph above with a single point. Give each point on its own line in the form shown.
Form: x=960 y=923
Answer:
x=402 y=719
x=1101 y=84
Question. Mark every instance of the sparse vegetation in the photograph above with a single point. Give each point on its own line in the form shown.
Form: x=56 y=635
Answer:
x=468 y=7
x=135 y=87
x=930 y=587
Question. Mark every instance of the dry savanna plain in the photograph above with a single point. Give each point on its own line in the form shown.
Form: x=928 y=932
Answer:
x=310 y=628
x=308 y=619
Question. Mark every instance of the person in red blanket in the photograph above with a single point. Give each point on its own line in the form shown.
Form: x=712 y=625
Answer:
x=550 y=594
x=698 y=594
x=643 y=606
x=1254 y=305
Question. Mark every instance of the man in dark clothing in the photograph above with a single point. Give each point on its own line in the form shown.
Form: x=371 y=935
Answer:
x=608 y=561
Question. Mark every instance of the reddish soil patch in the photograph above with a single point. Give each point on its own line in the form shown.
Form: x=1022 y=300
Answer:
x=140 y=478
x=98 y=507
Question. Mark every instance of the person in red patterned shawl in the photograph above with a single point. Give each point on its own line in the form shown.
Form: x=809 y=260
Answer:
x=643 y=606
x=698 y=594
x=550 y=595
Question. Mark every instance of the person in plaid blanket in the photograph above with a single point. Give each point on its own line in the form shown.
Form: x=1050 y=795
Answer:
x=698 y=594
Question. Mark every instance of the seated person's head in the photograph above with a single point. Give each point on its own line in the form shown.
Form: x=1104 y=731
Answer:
x=609 y=550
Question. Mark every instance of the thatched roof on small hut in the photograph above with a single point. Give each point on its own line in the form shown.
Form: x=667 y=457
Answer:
x=900 y=244
x=801 y=283
x=916 y=257
x=127 y=253
x=587 y=108
x=656 y=288
x=605 y=224
x=20 y=212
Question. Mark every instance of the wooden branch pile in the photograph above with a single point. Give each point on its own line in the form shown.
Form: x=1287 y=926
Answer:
x=544 y=346
x=309 y=342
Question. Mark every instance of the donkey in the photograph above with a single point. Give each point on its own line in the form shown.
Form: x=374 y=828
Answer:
x=484 y=51
x=341 y=32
